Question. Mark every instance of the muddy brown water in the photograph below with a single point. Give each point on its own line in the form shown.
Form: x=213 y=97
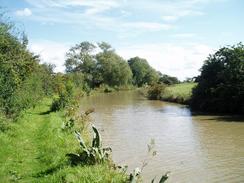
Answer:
x=193 y=148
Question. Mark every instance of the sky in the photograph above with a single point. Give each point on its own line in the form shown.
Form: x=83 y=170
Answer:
x=175 y=36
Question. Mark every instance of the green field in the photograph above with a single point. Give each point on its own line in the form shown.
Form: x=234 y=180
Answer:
x=179 y=93
x=33 y=150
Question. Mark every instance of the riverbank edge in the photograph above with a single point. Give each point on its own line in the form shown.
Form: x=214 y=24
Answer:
x=178 y=93
x=57 y=146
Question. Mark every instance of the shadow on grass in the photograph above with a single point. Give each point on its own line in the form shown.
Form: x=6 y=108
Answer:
x=48 y=171
x=45 y=113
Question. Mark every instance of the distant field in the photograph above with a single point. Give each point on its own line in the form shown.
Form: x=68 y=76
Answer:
x=179 y=93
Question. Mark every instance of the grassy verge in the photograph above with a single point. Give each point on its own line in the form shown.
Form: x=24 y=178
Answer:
x=34 y=148
x=179 y=93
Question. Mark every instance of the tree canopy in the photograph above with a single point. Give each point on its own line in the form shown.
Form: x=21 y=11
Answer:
x=105 y=67
x=221 y=82
x=168 y=80
x=143 y=73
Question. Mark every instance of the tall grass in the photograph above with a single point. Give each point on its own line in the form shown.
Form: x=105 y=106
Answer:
x=179 y=93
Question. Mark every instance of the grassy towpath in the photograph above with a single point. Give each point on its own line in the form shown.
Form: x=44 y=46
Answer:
x=34 y=148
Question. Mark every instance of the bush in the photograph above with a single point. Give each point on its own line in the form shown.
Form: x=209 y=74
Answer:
x=155 y=91
x=65 y=98
x=23 y=81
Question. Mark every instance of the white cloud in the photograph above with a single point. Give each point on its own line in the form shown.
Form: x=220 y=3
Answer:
x=148 y=26
x=104 y=13
x=51 y=52
x=184 y=35
x=176 y=60
x=92 y=6
x=169 y=18
x=24 y=12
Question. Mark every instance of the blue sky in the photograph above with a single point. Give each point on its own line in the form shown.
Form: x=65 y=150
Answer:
x=175 y=36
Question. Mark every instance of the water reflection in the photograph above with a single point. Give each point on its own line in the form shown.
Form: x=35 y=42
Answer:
x=194 y=149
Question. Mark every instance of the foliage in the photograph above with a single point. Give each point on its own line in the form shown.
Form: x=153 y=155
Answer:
x=168 y=80
x=143 y=73
x=155 y=91
x=163 y=178
x=113 y=69
x=90 y=154
x=23 y=81
x=221 y=82
x=105 y=67
x=80 y=58
x=66 y=97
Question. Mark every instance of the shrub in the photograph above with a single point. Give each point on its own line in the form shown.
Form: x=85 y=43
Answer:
x=65 y=98
x=155 y=91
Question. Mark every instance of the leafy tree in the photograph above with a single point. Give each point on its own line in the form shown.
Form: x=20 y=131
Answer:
x=221 y=83
x=105 y=47
x=143 y=73
x=169 y=80
x=113 y=69
x=80 y=58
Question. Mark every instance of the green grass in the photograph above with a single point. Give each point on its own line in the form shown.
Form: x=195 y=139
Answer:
x=180 y=93
x=34 y=148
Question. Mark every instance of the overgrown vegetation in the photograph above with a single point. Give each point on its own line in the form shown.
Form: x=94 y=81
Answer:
x=20 y=73
x=220 y=86
x=155 y=91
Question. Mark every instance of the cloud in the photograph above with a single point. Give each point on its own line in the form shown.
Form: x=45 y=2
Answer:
x=91 y=6
x=184 y=35
x=110 y=14
x=169 y=18
x=176 y=60
x=25 y=12
x=50 y=52
x=148 y=26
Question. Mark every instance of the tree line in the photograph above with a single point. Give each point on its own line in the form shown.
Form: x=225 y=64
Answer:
x=107 y=67
x=24 y=80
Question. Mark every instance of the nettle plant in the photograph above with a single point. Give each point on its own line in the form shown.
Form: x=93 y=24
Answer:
x=135 y=176
x=93 y=154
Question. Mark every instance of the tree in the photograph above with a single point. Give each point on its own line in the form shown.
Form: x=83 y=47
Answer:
x=105 y=46
x=81 y=58
x=168 y=80
x=143 y=73
x=113 y=69
x=221 y=82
